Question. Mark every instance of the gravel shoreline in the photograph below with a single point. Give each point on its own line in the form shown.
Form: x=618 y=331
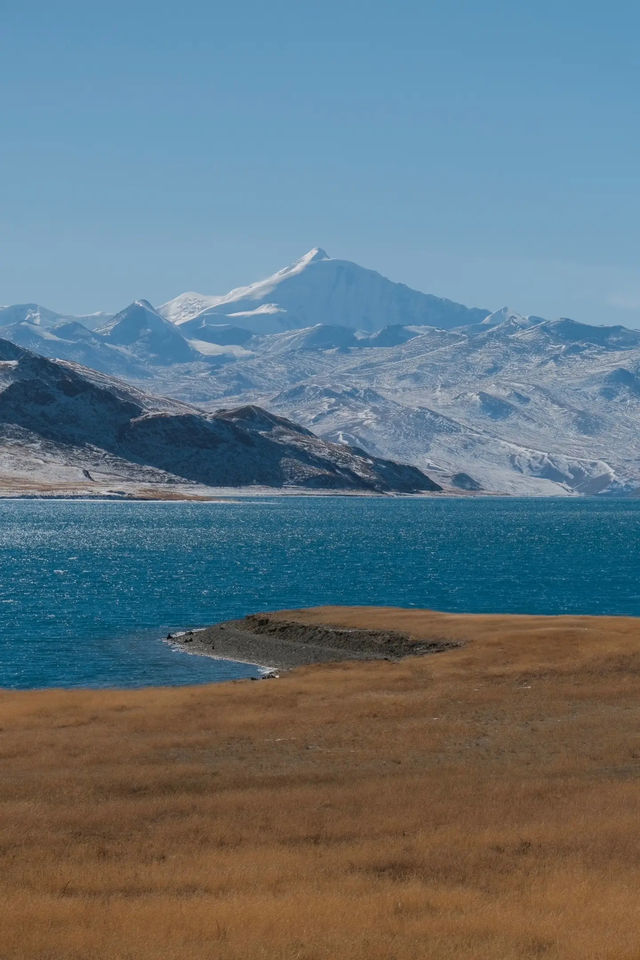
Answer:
x=274 y=643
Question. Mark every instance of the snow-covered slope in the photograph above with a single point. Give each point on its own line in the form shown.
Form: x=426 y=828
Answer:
x=318 y=289
x=39 y=316
x=70 y=340
x=75 y=417
x=31 y=313
x=546 y=407
x=147 y=335
x=512 y=403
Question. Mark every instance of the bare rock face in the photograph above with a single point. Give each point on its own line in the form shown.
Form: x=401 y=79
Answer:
x=81 y=413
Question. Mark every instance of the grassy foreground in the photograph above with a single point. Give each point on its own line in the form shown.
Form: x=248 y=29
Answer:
x=478 y=803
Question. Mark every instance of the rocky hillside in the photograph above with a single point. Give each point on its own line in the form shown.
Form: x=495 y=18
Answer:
x=65 y=415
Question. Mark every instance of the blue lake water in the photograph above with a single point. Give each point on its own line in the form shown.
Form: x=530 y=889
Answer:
x=88 y=589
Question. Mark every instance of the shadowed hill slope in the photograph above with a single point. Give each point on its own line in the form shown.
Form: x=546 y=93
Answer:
x=88 y=415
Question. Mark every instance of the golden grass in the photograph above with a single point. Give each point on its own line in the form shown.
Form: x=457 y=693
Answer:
x=480 y=803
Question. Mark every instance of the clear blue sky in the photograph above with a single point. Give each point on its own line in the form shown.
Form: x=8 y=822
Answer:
x=485 y=151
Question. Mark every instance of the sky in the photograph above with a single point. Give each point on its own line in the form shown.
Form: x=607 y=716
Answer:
x=486 y=151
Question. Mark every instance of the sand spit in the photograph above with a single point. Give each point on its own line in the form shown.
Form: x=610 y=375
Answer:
x=478 y=804
x=283 y=640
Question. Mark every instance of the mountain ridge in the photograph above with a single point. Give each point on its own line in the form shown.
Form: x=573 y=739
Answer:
x=95 y=422
x=515 y=404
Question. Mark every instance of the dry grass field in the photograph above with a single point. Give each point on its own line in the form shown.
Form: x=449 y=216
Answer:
x=474 y=804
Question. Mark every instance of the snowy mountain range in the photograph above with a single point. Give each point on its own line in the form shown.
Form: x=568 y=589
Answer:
x=57 y=418
x=485 y=400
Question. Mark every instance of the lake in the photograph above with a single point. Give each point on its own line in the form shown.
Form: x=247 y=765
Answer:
x=89 y=589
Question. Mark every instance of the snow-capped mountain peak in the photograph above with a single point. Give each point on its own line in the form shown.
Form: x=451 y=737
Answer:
x=144 y=332
x=185 y=307
x=316 y=253
x=262 y=288
x=32 y=313
x=130 y=322
x=189 y=305
x=511 y=317
x=318 y=289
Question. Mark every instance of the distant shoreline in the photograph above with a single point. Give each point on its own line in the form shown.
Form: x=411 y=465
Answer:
x=222 y=495
x=110 y=498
